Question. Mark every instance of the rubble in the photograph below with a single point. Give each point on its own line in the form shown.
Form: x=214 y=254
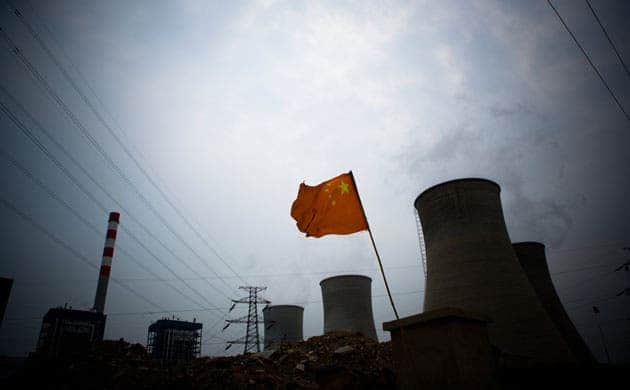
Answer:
x=344 y=349
x=331 y=361
x=312 y=364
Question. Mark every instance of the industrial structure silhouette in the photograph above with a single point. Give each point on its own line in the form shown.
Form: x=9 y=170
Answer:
x=489 y=305
x=471 y=265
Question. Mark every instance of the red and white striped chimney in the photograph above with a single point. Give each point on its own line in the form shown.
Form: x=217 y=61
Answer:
x=106 y=263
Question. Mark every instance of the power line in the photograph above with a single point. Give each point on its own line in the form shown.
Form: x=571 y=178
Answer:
x=22 y=127
x=589 y=303
x=59 y=165
x=586 y=247
x=81 y=187
x=598 y=276
x=625 y=67
x=10 y=206
x=133 y=313
x=402 y=293
x=94 y=143
x=580 y=269
x=75 y=181
x=334 y=272
x=589 y=61
x=50 y=192
x=373 y=269
x=102 y=120
x=289 y=274
x=54 y=195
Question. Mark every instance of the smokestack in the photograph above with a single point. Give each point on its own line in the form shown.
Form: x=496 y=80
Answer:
x=347 y=303
x=283 y=324
x=471 y=265
x=106 y=263
x=532 y=257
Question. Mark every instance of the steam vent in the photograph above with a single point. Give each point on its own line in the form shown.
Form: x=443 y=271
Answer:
x=471 y=265
x=348 y=304
x=532 y=257
x=283 y=323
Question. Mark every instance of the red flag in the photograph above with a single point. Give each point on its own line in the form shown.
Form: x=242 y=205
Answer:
x=332 y=207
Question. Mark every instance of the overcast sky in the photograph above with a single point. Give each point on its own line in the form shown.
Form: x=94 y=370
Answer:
x=228 y=106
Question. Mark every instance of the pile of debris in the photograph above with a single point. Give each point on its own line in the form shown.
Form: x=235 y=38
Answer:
x=112 y=364
x=338 y=360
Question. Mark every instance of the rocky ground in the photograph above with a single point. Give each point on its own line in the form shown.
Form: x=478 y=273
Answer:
x=332 y=361
x=338 y=360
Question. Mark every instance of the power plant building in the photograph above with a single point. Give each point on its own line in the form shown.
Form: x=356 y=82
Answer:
x=174 y=341
x=66 y=332
x=347 y=301
x=471 y=266
x=283 y=324
x=532 y=257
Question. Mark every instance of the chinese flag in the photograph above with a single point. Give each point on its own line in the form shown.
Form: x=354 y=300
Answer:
x=332 y=207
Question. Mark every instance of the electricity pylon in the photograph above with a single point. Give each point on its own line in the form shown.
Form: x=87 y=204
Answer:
x=251 y=338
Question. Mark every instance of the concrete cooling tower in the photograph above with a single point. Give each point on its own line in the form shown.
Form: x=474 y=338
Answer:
x=532 y=257
x=283 y=323
x=348 y=304
x=471 y=265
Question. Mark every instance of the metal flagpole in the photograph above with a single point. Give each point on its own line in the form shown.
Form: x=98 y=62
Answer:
x=378 y=257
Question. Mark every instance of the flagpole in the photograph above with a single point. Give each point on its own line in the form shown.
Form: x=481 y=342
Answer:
x=378 y=257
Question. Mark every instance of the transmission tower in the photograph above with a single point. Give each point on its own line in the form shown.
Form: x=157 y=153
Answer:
x=251 y=338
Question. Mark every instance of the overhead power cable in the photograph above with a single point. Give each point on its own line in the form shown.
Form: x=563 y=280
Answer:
x=587 y=280
x=580 y=269
x=587 y=247
x=581 y=301
x=590 y=303
x=10 y=206
x=612 y=44
x=111 y=164
x=335 y=272
x=110 y=130
x=131 y=313
x=375 y=269
x=589 y=61
x=55 y=97
x=26 y=172
x=85 y=191
x=354 y=270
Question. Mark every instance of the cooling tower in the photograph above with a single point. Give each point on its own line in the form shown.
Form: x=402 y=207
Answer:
x=532 y=257
x=348 y=304
x=471 y=265
x=283 y=323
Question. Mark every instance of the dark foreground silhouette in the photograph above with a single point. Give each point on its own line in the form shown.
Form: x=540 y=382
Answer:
x=332 y=361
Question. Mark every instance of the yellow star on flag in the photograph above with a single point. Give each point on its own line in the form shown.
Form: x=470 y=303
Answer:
x=344 y=187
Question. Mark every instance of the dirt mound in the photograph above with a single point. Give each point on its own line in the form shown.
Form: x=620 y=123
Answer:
x=338 y=360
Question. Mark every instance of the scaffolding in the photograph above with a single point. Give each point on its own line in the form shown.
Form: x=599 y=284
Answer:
x=423 y=249
x=173 y=341
x=66 y=332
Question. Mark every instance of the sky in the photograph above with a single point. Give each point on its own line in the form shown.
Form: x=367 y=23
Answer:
x=226 y=107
